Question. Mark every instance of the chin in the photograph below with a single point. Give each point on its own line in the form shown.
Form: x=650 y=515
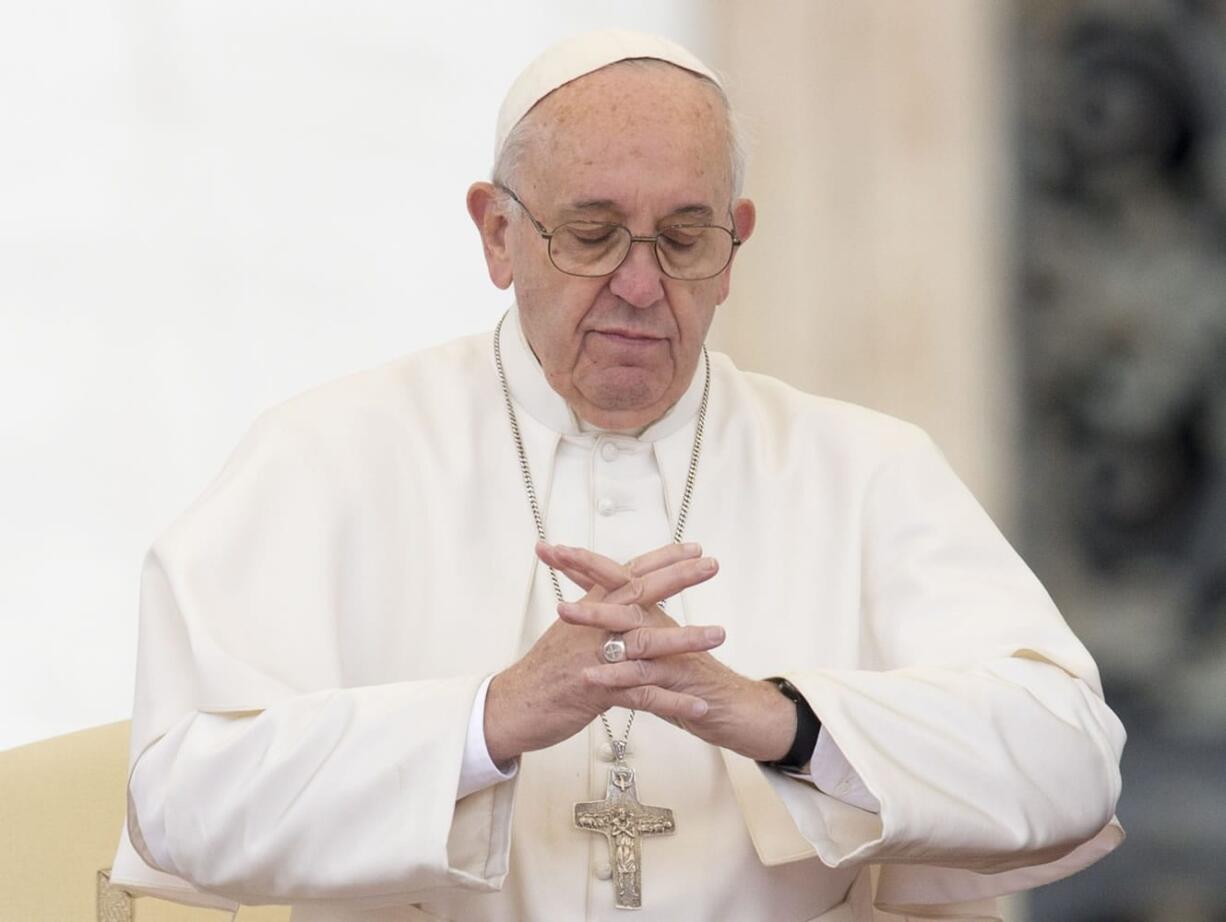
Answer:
x=625 y=389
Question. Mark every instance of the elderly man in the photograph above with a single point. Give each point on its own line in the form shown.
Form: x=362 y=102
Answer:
x=462 y=587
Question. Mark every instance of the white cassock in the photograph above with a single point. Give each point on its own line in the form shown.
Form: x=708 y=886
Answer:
x=316 y=627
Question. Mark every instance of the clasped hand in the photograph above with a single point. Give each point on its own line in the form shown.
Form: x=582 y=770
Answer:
x=563 y=683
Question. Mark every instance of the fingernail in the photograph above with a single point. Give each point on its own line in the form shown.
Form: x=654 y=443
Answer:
x=566 y=608
x=692 y=547
x=698 y=708
x=714 y=634
x=708 y=565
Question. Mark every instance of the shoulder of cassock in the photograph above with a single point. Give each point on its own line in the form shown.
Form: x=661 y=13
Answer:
x=415 y=455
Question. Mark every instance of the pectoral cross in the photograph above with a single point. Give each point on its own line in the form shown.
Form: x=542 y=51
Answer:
x=624 y=820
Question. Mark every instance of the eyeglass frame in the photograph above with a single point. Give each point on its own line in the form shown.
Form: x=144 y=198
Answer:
x=653 y=239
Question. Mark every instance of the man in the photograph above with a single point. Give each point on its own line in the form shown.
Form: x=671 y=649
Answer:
x=422 y=600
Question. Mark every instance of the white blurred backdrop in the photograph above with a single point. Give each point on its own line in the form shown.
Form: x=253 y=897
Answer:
x=205 y=208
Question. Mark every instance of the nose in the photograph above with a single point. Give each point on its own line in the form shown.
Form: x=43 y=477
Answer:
x=637 y=280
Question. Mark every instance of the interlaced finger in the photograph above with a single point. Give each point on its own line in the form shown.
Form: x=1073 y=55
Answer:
x=607 y=615
x=661 y=557
x=631 y=673
x=604 y=571
x=662 y=702
x=652 y=642
x=661 y=584
x=648 y=633
x=575 y=563
x=645 y=589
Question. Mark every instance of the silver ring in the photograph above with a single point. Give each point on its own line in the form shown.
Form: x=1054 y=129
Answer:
x=614 y=649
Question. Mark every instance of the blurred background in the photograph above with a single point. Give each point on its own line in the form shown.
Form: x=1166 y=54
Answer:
x=1002 y=219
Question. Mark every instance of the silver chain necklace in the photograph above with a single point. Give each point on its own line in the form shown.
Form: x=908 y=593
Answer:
x=619 y=817
x=618 y=746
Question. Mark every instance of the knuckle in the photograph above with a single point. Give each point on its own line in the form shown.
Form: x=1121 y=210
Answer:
x=641 y=642
x=636 y=588
x=640 y=614
x=645 y=698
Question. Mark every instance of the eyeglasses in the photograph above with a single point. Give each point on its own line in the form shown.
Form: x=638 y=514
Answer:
x=590 y=249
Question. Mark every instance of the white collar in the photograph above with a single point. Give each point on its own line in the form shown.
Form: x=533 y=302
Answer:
x=531 y=390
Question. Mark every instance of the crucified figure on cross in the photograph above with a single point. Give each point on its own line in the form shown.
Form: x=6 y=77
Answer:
x=624 y=821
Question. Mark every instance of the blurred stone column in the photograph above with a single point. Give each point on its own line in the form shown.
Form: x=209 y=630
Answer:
x=880 y=165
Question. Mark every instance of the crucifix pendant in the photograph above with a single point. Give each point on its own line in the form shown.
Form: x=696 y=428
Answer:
x=624 y=821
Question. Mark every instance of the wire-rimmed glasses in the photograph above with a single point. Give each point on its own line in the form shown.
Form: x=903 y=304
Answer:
x=590 y=249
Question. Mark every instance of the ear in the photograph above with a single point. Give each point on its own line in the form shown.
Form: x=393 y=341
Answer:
x=744 y=218
x=492 y=226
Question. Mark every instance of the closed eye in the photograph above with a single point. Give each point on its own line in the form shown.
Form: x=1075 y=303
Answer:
x=681 y=236
x=591 y=233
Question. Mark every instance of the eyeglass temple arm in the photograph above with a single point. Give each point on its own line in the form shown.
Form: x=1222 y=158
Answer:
x=540 y=228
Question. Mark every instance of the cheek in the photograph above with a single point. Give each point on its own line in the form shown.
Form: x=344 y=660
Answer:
x=553 y=308
x=694 y=309
x=533 y=284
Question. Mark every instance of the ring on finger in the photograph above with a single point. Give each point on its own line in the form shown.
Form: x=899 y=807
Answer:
x=614 y=649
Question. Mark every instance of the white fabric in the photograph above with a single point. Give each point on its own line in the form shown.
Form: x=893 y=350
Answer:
x=335 y=599
x=572 y=58
x=477 y=770
x=830 y=771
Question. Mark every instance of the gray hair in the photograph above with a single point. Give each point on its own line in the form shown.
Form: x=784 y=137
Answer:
x=531 y=131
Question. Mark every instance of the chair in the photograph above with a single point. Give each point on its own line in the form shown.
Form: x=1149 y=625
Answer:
x=62 y=803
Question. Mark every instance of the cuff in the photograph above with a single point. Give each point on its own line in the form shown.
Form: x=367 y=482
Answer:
x=477 y=769
x=834 y=775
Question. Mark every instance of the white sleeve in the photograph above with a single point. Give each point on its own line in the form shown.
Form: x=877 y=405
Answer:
x=263 y=769
x=149 y=784
x=477 y=770
x=981 y=727
x=316 y=797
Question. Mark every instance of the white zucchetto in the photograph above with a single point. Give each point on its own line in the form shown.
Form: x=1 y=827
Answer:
x=573 y=57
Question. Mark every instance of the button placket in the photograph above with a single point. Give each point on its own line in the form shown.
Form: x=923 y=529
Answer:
x=606 y=505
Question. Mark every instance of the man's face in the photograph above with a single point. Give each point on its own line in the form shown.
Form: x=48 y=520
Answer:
x=643 y=147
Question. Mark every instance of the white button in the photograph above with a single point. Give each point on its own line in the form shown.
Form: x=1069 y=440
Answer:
x=606 y=506
x=609 y=451
x=604 y=871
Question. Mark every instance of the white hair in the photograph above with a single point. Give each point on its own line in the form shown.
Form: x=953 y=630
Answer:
x=530 y=132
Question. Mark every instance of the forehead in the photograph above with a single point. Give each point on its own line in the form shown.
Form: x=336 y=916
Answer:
x=636 y=134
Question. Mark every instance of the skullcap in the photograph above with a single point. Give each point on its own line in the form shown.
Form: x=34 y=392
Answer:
x=573 y=57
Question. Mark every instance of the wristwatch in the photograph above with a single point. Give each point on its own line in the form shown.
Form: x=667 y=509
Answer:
x=807 y=728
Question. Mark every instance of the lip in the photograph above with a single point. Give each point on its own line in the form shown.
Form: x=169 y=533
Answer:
x=629 y=334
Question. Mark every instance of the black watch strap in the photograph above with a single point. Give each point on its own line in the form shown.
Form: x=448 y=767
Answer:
x=807 y=728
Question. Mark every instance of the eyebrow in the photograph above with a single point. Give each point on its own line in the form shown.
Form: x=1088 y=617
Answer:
x=695 y=210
